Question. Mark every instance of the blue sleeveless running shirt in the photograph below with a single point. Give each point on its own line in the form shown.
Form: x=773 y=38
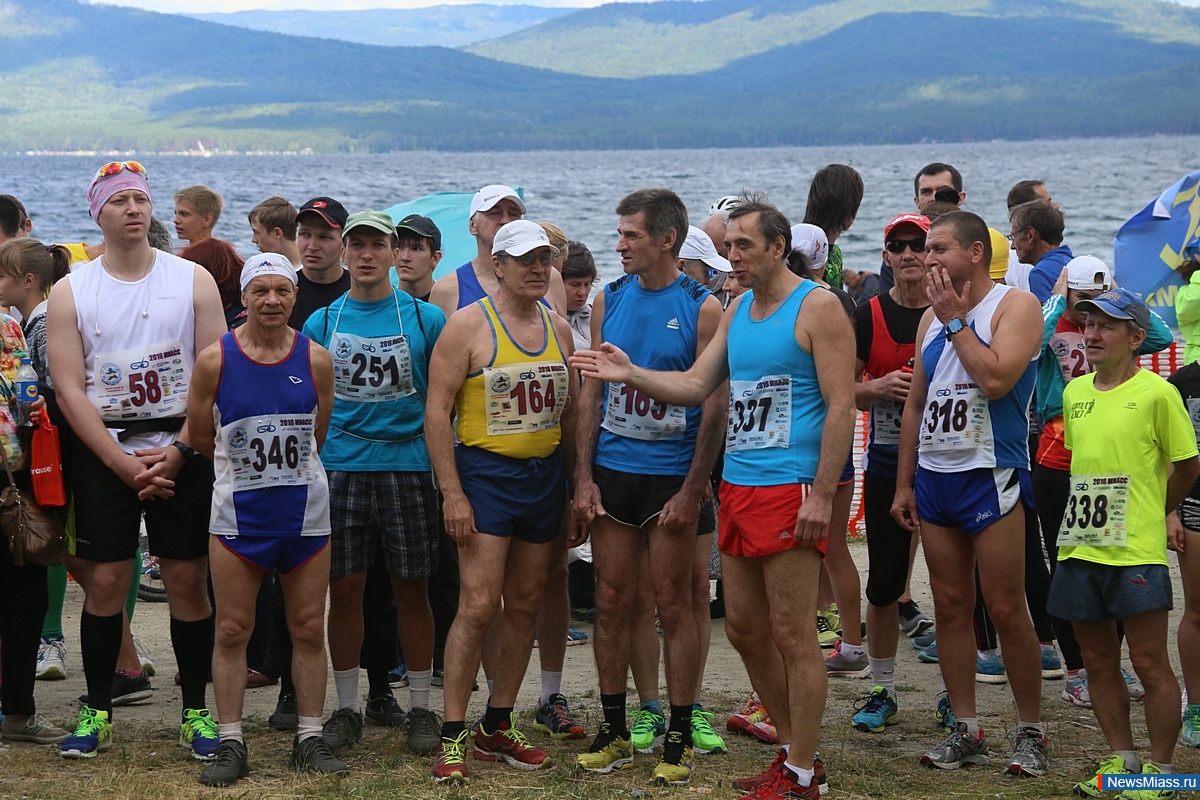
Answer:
x=776 y=410
x=657 y=328
x=269 y=478
x=961 y=428
x=470 y=290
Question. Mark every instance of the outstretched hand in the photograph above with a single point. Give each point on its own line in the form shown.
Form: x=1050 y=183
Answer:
x=608 y=363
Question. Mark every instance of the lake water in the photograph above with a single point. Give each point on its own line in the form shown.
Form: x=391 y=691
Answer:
x=1098 y=182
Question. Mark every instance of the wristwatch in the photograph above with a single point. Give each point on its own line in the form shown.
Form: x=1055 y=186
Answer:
x=956 y=325
x=185 y=450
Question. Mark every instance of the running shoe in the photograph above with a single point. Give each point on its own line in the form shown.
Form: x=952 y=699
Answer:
x=398 y=677
x=1031 y=758
x=755 y=781
x=649 y=730
x=385 y=711
x=1090 y=787
x=1075 y=690
x=876 y=712
x=784 y=786
x=424 y=730
x=753 y=721
x=509 y=745
x=439 y=677
x=285 y=716
x=143 y=656
x=51 y=660
x=675 y=766
x=1189 y=734
x=1136 y=690
x=943 y=715
x=913 y=621
x=127 y=689
x=959 y=749
x=451 y=764
x=608 y=752
x=828 y=622
x=705 y=740
x=231 y=764
x=198 y=733
x=313 y=755
x=36 y=729
x=924 y=640
x=840 y=665
x=575 y=637
x=1148 y=794
x=92 y=734
x=989 y=668
x=554 y=718
x=929 y=655
x=343 y=728
x=1051 y=665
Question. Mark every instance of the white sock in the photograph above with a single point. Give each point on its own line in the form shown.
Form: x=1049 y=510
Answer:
x=346 y=683
x=418 y=687
x=1132 y=762
x=883 y=672
x=972 y=724
x=551 y=684
x=308 y=728
x=230 y=730
x=1165 y=769
x=804 y=777
x=1033 y=726
x=852 y=650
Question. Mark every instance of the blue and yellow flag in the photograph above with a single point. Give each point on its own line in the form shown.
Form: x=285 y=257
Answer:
x=1149 y=246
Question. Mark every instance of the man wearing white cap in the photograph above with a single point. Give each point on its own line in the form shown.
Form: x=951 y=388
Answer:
x=642 y=480
x=500 y=368
x=699 y=259
x=123 y=333
x=491 y=208
x=270 y=509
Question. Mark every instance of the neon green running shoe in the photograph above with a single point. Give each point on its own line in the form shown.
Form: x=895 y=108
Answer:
x=608 y=752
x=704 y=739
x=198 y=733
x=92 y=734
x=648 y=731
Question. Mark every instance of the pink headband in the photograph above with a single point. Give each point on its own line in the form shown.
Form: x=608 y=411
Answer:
x=103 y=189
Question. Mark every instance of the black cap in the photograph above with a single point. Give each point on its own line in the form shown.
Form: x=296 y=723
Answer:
x=422 y=226
x=333 y=212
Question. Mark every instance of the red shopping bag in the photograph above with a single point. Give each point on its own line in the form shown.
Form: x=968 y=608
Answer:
x=45 y=464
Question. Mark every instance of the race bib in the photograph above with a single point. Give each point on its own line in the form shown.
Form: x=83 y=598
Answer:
x=271 y=450
x=760 y=413
x=524 y=398
x=1071 y=354
x=633 y=414
x=143 y=383
x=1193 y=407
x=885 y=422
x=1096 y=512
x=371 y=369
x=956 y=419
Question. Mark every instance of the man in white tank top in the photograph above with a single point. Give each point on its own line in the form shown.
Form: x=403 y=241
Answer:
x=123 y=333
x=967 y=487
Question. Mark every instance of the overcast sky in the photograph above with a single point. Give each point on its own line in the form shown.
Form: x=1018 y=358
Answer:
x=204 y=6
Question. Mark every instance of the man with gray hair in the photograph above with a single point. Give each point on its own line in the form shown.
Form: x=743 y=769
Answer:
x=1037 y=234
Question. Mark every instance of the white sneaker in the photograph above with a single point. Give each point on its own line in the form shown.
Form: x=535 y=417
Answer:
x=51 y=660
x=143 y=654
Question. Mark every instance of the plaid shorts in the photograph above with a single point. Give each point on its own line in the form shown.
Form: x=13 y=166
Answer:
x=397 y=511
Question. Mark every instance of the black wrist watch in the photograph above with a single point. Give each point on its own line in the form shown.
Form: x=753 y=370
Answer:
x=956 y=325
x=186 y=451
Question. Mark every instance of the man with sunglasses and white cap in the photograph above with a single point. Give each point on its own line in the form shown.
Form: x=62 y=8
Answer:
x=699 y=259
x=500 y=368
x=123 y=333
x=383 y=500
x=270 y=508
x=491 y=208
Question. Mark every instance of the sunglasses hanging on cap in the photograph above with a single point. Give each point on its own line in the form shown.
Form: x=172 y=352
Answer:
x=116 y=167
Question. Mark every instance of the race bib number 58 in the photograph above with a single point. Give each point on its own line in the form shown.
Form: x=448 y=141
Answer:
x=1096 y=512
x=143 y=383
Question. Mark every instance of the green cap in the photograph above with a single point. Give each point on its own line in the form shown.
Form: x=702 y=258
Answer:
x=370 y=219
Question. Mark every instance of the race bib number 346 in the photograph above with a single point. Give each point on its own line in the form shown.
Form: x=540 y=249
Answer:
x=1096 y=512
x=274 y=450
x=760 y=413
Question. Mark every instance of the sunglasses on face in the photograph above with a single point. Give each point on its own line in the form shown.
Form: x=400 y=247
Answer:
x=546 y=258
x=115 y=167
x=897 y=246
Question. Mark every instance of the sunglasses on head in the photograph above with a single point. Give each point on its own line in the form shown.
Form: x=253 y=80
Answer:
x=115 y=167
x=545 y=257
x=897 y=245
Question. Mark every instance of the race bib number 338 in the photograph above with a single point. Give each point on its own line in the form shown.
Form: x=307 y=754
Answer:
x=1096 y=512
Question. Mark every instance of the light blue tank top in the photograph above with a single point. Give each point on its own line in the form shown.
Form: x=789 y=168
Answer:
x=776 y=410
x=657 y=329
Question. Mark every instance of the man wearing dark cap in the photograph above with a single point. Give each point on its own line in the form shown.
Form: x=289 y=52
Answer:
x=419 y=241
x=1133 y=456
x=321 y=279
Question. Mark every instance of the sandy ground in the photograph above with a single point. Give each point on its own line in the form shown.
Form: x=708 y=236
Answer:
x=725 y=683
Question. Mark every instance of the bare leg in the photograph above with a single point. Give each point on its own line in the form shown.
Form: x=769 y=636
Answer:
x=414 y=622
x=1146 y=636
x=839 y=565
x=749 y=631
x=616 y=550
x=554 y=616
x=523 y=595
x=1189 y=626
x=951 y=560
x=1110 y=699
x=643 y=636
x=700 y=600
x=479 y=603
x=346 y=620
x=235 y=586
x=304 y=592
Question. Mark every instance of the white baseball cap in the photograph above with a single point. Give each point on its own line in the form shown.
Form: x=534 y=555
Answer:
x=487 y=197
x=267 y=264
x=811 y=242
x=699 y=247
x=1087 y=273
x=519 y=237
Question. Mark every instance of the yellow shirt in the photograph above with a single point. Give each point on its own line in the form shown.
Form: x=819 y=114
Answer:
x=1126 y=436
x=513 y=405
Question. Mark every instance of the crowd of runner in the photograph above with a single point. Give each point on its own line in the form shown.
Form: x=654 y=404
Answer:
x=323 y=428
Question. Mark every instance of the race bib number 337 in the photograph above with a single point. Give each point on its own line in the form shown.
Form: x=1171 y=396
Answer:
x=1096 y=512
x=760 y=413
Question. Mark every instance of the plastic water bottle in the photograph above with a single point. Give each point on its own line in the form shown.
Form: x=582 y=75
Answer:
x=27 y=392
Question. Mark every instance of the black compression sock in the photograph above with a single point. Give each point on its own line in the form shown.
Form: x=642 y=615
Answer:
x=193 y=646
x=100 y=641
x=614 y=714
